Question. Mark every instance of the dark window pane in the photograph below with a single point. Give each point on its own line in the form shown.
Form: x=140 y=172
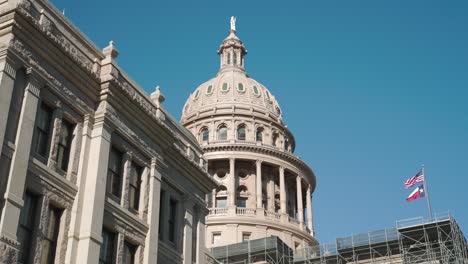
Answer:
x=49 y=243
x=172 y=220
x=26 y=227
x=106 y=254
x=241 y=133
x=134 y=188
x=64 y=145
x=43 y=123
x=114 y=174
x=129 y=253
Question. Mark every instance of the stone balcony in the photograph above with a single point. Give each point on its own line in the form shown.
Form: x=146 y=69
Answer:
x=259 y=214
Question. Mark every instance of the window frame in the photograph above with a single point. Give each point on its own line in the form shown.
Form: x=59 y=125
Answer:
x=42 y=135
x=63 y=161
x=111 y=236
x=222 y=135
x=51 y=235
x=26 y=251
x=136 y=170
x=114 y=178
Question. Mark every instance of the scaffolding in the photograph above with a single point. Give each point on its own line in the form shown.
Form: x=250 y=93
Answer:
x=417 y=240
x=266 y=250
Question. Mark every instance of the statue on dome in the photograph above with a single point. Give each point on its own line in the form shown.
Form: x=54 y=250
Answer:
x=233 y=23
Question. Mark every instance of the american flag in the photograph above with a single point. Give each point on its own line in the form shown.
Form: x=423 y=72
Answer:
x=415 y=179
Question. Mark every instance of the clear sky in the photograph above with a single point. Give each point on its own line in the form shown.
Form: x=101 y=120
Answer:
x=370 y=89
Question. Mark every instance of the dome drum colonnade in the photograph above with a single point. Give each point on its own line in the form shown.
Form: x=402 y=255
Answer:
x=250 y=153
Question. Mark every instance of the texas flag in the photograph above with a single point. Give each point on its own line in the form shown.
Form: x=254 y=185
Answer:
x=416 y=194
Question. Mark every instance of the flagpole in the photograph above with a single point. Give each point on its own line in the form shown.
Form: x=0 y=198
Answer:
x=427 y=193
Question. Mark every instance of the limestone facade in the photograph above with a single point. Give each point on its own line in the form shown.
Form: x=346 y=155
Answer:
x=264 y=189
x=92 y=169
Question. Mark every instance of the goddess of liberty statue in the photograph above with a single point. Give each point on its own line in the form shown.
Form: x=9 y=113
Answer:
x=233 y=23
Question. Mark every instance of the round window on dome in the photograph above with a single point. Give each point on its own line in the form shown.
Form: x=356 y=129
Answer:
x=255 y=90
x=225 y=87
x=240 y=87
x=278 y=110
x=242 y=174
x=221 y=173
x=197 y=93
x=209 y=90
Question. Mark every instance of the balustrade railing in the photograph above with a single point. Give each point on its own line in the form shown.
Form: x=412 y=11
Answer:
x=273 y=215
x=293 y=220
x=217 y=211
x=245 y=211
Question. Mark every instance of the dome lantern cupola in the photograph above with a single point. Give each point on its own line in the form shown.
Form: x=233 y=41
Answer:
x=232 y=50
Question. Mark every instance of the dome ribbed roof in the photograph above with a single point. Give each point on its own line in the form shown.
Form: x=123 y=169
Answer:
x=232 y=87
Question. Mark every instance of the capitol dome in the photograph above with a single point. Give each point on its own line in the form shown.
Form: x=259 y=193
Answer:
x=264 y=189
x=232 y=87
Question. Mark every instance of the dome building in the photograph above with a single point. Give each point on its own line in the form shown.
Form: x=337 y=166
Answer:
x=264 y=189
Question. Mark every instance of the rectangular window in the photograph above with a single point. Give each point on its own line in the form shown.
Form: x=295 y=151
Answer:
x=221 y=202
x=114 y=173
x=245 y=236
x=134 y=187
x=26 y=227
x=43 y=128
x=129 y=253
x=49 y=244
x=64 y=145
x=107 y=252
x=216 y=239
x=241 y=202
x=172 y=220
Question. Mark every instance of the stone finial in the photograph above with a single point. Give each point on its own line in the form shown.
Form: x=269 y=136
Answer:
x=157 y=96
x=111 y=51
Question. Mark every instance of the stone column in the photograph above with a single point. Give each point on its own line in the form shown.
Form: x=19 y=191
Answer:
x=150 y=254
x=188 y=226
x=201 y=237
x=232 y=182
x=213 y=198
x=259 y=183
x=310 y=223
x=92 y=193
x=282 y=190
x=271 y=194
x=7 y=82
x=300 y=207
x=19 y=163
x=56 y=129
x=127 y=170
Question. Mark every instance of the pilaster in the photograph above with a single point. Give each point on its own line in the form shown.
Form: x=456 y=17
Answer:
x=300 y=207
x=7 y=82
x=188 y=229
x=19 y=163
x=232 y=182
x=152 y=240
x=92 y=194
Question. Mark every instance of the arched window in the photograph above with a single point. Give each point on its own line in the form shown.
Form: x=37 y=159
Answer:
x=222 y=132
x=241 y=132
x=259 y=135
x=286 y=144
x=235 y=58
x=221 y=197
x=274 y=139
x=229 y=58
x=205 y=134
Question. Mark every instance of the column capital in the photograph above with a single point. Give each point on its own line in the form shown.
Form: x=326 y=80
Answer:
x=10 y=67
x=232 y=159
x=281 y=168
x=259 y=162
x=35 y=82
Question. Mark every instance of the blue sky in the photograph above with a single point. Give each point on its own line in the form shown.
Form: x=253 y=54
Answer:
x=370 y=89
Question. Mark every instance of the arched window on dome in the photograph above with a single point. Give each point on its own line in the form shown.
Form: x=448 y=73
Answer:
x=286 y=144
x=242 y=196
x=235 y=58
x=274 y=139
x=222 y=132
x=221 y=197
x=205 y=135
x=241 y=132
x=259 y=135
x=229 y=58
